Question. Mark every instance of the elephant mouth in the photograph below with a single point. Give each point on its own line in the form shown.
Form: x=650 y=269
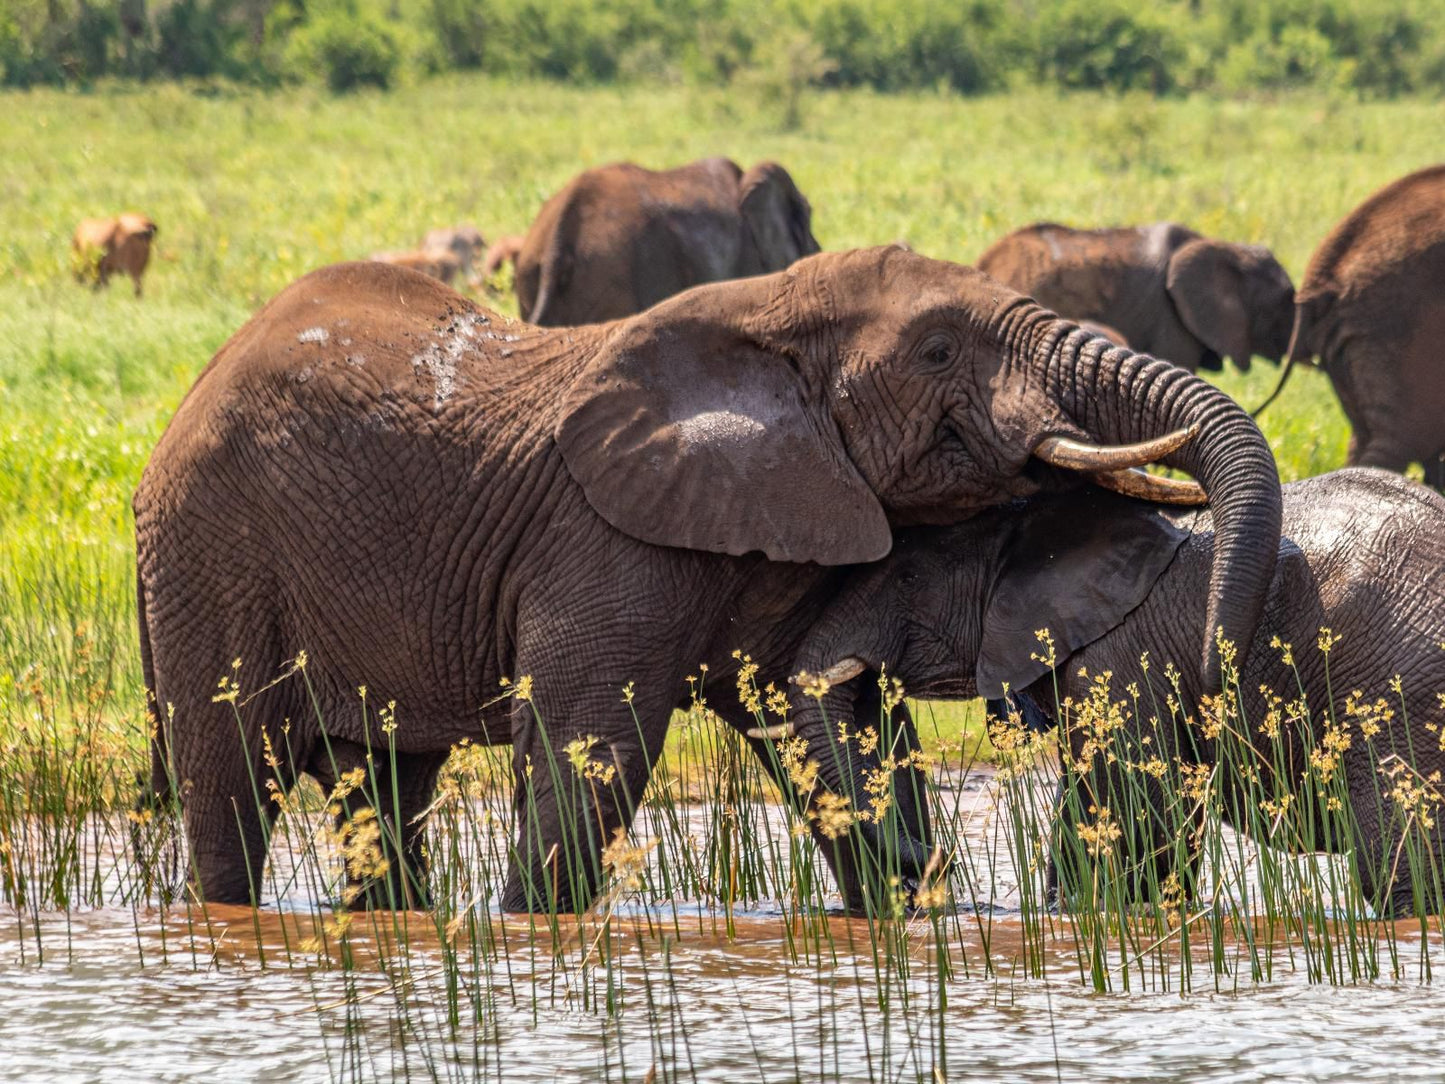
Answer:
x=1211 y=361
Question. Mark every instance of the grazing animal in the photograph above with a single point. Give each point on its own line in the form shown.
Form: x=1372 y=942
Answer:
x=620 y=238
x=444 y=253
x=102 y=247
x=425 y=498
x=1168 y=291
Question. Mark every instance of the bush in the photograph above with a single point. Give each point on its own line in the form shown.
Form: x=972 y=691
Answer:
x=1107 y=46
x=893 y=45
x=350 y=50
x=1298 y=57
x=459 y=28
x=195 y=39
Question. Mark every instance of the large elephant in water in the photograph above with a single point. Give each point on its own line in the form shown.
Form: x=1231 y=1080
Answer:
x=1166 y=289
x=621 y=238
x=954 y=611
x=1372 y=309
x=427 y=498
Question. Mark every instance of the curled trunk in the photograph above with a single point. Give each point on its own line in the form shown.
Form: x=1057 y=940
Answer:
x=1115 y=396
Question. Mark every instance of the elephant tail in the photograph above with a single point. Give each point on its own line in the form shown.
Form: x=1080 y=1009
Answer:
x=1302 y=345
x=157 y=790
x=552 y=305
x=1279 y=387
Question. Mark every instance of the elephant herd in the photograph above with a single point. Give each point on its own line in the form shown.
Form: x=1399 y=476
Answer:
x=711 y=436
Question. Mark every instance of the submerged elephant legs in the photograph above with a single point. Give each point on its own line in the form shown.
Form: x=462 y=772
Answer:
x=577 y=787
x=377 y=801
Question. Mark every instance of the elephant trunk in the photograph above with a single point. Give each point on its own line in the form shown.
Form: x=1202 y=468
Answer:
x=1117 y=396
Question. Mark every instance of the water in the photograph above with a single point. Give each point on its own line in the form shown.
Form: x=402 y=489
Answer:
x=682 y=990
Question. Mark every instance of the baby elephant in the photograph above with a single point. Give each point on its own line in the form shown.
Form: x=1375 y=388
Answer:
x=1167 y=290
x=102 y=247
x=953 y=612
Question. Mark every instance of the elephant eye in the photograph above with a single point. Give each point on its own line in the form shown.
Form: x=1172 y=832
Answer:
x=937 y=351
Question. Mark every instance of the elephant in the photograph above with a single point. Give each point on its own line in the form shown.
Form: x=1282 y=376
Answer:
x=1169 y=291
x=1371 y=308
x=425 y=498
x=953 y=612
x=620 y=238
x=102 y=247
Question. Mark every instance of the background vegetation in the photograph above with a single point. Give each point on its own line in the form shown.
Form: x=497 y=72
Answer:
x=1373 y=48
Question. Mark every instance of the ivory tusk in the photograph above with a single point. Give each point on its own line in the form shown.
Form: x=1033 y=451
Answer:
x=1081 y=455
x=844 y=670
x=841 y=671
x=776 y=732
x=1151 y=487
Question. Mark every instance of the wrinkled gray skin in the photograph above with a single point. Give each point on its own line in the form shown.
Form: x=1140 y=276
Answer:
x=1167 y=290
x=426 y=498
x=953 y=613
x=619 y=238
x=1372 y=309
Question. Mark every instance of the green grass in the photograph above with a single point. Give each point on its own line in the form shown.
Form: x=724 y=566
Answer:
x=253 y=189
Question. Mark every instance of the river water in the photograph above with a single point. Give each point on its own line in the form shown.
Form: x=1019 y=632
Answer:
x=679 y=991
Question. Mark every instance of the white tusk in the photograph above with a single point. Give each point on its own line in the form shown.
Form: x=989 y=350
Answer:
x=1081 y=455
x=844 y=670
x=776 y=732
x=1152 y=487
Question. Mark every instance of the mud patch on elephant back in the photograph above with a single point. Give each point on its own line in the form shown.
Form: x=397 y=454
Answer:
x=719 y=427
x=313 y=335
x=439 y=360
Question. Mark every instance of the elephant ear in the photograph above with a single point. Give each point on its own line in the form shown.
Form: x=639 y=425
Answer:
x=1075 y=566
x=776 y=215
x=1206 y=283
x=685 y=431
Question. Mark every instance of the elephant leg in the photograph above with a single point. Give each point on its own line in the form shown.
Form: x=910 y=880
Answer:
x=581 y=762
x=226 y=805
x=1398 y=860
x=1381 y=411
x=1140 y=846
x=393 y=791
x=863 y=860
x=210 y=750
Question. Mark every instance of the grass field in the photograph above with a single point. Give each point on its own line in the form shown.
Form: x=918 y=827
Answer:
x=251 y=190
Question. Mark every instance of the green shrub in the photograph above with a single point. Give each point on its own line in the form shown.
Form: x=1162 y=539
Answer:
x=459 y=30
x=890 y=45
x=195 y=38
x=348 y=50
x=1107 y=46
x=1298 y=57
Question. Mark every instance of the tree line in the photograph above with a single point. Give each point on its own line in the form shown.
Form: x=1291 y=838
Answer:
x=1373 y=48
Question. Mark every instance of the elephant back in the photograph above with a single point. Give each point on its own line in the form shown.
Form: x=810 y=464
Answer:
x=1388 y=234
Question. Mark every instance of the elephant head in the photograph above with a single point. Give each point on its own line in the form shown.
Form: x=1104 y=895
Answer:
x=955 y=611
x=777 y=218
x=809 y=413
x=1235 y=299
